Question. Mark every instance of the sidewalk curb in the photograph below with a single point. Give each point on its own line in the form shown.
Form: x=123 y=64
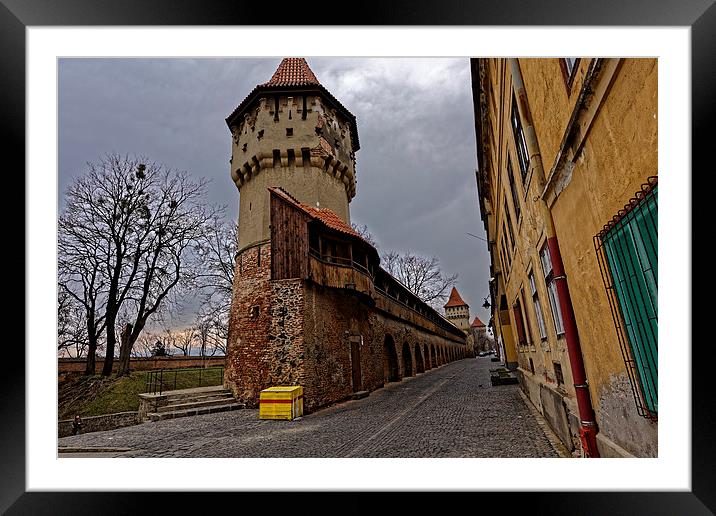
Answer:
x=560 y=448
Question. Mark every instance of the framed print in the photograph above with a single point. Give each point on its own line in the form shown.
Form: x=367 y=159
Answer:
x=93 y=57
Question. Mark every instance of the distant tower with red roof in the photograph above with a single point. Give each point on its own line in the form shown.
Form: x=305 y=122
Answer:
x=481 y=340
x=457 y=311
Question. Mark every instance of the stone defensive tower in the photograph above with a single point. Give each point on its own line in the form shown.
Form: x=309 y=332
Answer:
x=457 y=311
x=291 y=132
x=311 y=305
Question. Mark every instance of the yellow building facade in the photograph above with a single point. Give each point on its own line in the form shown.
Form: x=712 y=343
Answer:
x=567 y=179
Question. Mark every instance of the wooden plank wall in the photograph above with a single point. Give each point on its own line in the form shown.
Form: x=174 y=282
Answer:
x=289 y=240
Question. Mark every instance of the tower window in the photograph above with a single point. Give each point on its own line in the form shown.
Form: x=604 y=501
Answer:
x=244 y=147
x=289 y=131
x=261 y=134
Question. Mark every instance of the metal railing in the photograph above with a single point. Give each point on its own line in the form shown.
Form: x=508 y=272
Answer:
x=159 y=380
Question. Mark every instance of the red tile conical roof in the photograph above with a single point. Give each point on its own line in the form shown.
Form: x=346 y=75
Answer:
x=294 y=75
x=293 y=71
x=455 y=299
x=477 y=323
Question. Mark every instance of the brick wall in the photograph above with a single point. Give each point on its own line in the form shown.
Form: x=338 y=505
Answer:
x=296 y=332
x=77 y=365
x=248 y=358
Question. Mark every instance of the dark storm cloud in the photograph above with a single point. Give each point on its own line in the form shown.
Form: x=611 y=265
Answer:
x=416 y=185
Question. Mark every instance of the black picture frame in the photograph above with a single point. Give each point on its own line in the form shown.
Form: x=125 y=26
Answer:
x=699 y=15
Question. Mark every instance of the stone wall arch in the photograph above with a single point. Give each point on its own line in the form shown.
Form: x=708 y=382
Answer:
x=419 y=360
x=391 y=369
x=407 y=357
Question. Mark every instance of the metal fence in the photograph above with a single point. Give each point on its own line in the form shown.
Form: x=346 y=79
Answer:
x=161 y=380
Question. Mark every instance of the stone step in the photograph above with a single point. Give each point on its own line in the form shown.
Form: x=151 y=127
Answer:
x=198 y=391
x=160 y=416
x=204 y=397
x=173 y=407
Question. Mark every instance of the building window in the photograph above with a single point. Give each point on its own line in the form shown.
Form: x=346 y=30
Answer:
x=627 y=252
x=520 y=142
x=538 y=308
x=509 y=225
x=546 y=260
x=513 y=188
x=558 y=373
x=569 y=67
x=519 y=324
x=527 y=319
x=506 y=250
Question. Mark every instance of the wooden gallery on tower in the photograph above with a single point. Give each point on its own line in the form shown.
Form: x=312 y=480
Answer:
x=311 y=305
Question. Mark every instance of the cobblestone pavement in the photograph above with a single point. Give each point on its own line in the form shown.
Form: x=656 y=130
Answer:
x=452 y=411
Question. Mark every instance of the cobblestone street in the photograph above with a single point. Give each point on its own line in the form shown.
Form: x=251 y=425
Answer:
x=452 y=411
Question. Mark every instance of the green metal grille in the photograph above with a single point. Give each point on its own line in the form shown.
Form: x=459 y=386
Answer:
x=627 y=249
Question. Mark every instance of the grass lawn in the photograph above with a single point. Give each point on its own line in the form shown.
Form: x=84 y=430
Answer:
x=96 y=395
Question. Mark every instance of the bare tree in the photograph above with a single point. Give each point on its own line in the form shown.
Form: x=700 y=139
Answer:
x=71 y=326
x=212 y=331
x=422 y=275
x=201 y=331
x=362 y=230
x=145 y=345
x=138 y=223
x=181 y=340
x=80 y=262
x=217 y=250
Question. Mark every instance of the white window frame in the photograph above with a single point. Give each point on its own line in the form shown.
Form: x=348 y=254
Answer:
x=546 y=259
x=538 y=308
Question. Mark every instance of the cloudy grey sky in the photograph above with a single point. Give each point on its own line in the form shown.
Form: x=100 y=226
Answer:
x=416 y=186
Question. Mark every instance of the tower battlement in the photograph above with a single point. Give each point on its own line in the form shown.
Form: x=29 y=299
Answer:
x=282 y=131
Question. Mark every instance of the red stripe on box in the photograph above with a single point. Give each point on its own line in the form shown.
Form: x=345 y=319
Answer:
x=281 y=401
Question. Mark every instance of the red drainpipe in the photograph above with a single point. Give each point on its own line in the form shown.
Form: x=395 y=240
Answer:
x=588 y=427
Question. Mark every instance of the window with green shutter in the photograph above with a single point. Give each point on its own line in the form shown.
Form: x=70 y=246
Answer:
x=627 y=249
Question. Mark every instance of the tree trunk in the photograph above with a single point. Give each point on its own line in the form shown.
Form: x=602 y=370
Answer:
x=91 y=349
x=125 y=350
x=91 y=352
x=109 y=353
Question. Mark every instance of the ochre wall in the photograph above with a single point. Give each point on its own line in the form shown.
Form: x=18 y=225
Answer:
x=620 y=153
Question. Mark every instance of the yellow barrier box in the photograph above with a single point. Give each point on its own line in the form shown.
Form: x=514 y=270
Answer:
x=282 y=402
